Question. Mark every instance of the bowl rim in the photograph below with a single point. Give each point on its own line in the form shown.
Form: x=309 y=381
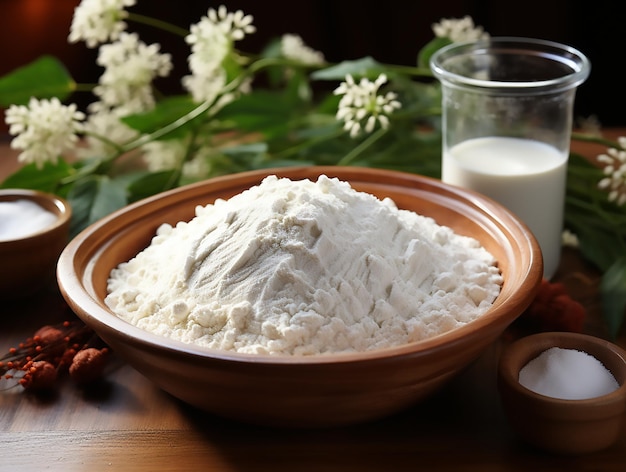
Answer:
x=63 y=215
x=531 y=346
x=94 y=313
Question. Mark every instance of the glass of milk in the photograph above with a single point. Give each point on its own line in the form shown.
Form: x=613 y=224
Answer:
x=507 y=111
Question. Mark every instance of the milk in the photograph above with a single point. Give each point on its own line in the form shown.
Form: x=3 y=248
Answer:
x=526 y=176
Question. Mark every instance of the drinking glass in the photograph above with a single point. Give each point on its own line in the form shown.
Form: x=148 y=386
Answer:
x=507 y=113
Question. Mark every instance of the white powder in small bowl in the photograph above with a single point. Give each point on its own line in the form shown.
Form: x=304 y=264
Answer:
x=568 y=374
x=304 y=268
x=22 y=218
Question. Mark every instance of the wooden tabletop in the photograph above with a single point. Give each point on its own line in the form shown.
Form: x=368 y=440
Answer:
x=126 y=423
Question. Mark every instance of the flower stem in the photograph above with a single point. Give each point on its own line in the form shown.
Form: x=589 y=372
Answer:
x=285 y=153
x=146 y=138
x=371 y=139
x=159 y=24
x=592 y=138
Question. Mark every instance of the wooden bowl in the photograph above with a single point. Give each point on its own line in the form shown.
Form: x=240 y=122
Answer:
x=313 y=391
x=28 y=263
x=557 y=425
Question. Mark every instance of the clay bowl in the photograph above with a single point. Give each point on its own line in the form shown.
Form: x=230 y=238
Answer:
x=28 y=263
x=557 y=425
x=314 y=391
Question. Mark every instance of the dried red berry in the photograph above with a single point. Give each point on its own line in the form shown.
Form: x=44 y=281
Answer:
x=48 y=334
x=40 y=376
x=554 y=310
x=88 y=364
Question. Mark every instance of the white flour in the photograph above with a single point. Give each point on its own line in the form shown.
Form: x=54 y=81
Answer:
x=303 y=268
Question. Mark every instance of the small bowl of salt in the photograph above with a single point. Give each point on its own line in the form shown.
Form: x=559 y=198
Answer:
x=564 y=392
x=34 y=229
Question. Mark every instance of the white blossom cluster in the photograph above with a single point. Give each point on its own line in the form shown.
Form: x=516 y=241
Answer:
x=167 y=154
x=614 y=162
x=99 y=21
x=211 y=41
x=44 y=129
x=361 y=106
x=104 y=124
x=294 y=48
x=459 y=30
x=130 y=66
x=125 y=87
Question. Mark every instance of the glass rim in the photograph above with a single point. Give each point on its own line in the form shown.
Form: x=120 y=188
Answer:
x=571 y=57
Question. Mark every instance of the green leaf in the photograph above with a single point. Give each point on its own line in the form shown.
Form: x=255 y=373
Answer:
x=275 y=74
x=613 y=294
x=598 y=247
x=599 y=224
x=246 y=149
x=262 y=111
x=45 y=77
x=365 y=67
x=45 y=179
x=151 y=183
x=423 y=57
x=93 y=198
x=165 y=112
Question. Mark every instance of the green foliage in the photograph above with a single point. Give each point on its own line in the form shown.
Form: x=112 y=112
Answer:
x=48 y=178
x=166 y=111
x=25 y=82
x=264 y=111
x=423 y=58
x=365 y=67
x=600 y=226
x=93 y=198
x=613 y=292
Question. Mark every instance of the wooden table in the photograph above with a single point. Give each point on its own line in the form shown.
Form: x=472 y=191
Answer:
x=126 y=423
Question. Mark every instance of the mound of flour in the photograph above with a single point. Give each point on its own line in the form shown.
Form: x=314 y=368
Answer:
x=303 y=268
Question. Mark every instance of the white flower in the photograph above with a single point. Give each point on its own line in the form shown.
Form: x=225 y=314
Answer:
x=362 y=103
x=164 y=155
x=459 y=30
x=130 y=67
x=615 y=170
x=211 y=41
x=293 y=47
x=210 y=45
x=235 y=25
x=44 y=129
x=168 y=154
x=569 y=239
x=98 y=21
x=104 y=123
x=196 y=168
x=207 y=86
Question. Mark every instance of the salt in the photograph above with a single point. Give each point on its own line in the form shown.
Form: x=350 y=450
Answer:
x=22 y=218
x=567 y=374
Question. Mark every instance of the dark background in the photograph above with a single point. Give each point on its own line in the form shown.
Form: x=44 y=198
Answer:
x=391 y=31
